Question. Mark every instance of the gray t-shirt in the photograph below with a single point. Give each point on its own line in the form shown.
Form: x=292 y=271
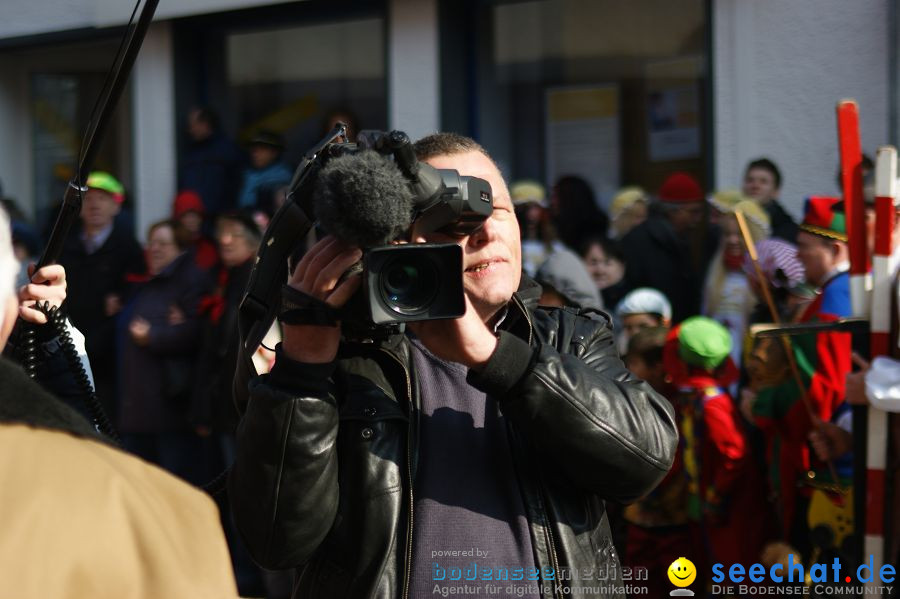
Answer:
x=469 y=516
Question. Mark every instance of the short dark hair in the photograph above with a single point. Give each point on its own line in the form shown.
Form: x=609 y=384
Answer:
x=207 y=115
x=767 y=165
x=446 y=144
x=610 y=247
x=246 y=221
x=647 y=344
x=179 y=234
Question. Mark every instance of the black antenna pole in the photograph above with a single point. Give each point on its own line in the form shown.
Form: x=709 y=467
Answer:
x=71 y=206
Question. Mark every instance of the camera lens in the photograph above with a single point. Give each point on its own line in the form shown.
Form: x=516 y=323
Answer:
x=409 y=284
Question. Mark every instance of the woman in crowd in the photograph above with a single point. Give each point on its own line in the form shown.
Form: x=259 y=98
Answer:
x=605 y=262
x=158 y=340
x=727 y=296
x=721 y=203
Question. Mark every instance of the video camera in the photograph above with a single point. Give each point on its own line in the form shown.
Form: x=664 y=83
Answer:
x=370 y=194
x=374 y=192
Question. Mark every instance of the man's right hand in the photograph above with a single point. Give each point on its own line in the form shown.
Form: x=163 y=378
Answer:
x=317 y=275
x=856 y=382
x=46 y=285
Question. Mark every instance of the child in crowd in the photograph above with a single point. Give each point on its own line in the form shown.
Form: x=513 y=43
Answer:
x=725 y=488
x=640 y=309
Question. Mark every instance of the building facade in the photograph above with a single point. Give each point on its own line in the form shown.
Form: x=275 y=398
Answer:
x=617 y=92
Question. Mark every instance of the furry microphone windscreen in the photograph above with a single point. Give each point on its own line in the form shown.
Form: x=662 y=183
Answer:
x=363 y=199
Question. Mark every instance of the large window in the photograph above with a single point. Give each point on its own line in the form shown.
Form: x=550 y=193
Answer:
x=285 y=68
x=291 y=79
x=612 y=91
x=64 y=83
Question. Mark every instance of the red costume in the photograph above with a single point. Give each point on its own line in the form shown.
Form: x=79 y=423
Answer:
x=726 y=490
x=824 y=362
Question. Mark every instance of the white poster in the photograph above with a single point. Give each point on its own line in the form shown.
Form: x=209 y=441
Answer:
x=673 y=123
x=582 y=137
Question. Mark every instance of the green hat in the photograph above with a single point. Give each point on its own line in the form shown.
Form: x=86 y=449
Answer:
x=107 y=183
x=824 y=216
x=703 y=342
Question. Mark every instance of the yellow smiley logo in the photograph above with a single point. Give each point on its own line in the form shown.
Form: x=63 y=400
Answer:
x=682 y=572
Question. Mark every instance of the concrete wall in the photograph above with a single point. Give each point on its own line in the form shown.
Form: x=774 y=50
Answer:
x=780 y=67
x=154 y=122
x=413 y=68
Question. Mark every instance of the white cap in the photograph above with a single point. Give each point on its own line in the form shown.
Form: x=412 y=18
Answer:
x=644 y=300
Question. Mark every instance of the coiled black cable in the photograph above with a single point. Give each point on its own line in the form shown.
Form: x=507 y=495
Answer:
x=57 y=320
x=28 y=354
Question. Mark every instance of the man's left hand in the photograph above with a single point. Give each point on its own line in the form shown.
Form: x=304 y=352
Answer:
x=466 y=340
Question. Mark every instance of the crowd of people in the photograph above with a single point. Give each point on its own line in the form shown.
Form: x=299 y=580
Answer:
x=160 y=321
x=764 y=433
x=664 y=279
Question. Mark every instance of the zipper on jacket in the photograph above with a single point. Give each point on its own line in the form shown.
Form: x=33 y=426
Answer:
x=548 y=532
x=409 y=525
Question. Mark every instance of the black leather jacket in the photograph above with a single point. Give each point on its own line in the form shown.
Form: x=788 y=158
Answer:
x=326 y=453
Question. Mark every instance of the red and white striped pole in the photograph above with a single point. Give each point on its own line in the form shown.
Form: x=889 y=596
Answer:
x=852 y=184
x=885 y=192
x=880 y=322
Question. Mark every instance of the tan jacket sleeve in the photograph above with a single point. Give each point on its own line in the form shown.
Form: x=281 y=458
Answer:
x=81 y=519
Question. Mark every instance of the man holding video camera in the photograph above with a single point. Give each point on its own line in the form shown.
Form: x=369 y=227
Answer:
x=482 y=443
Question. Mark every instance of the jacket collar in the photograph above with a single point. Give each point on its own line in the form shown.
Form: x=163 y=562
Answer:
x=529 y=292
x=523 y=303
x=22 y=401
